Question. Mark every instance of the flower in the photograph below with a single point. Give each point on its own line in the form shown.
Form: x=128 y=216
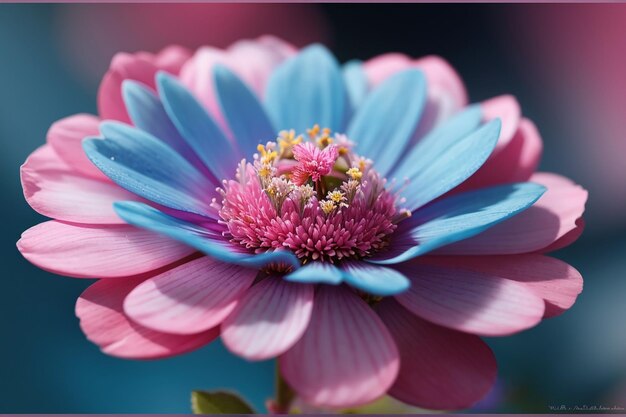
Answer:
x=367 y=271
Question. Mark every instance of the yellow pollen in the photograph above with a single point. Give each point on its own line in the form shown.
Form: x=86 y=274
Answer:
x=287 y=139
x=336 y=196
x=327 y=206
x=324 y=141
x=313 y=132
x=265 y=171
x=355 y=173
x=267 y=156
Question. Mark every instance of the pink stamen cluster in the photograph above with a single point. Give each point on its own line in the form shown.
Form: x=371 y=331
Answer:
x=269 y=207
x=313 y=162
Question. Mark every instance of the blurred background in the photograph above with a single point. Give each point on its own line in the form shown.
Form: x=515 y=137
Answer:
x=565 y=63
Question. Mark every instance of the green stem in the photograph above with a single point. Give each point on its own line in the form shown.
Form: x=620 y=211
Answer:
x=284 y=393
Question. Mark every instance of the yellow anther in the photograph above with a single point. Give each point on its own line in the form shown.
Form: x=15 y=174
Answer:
x=324 y=141
x=355 y=173
x=313 y=132
x=326 y=131
x=336 y=196
x=287 y=140
x=265 y=171
x=327 y=206
x=267 y=156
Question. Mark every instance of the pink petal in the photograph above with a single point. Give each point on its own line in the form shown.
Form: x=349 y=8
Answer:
x=269 y=319
x=170 y=59
x=86 y=251
x=190 y=298
x=550 y=218
x=346 y=356
x=252 y=60
x=54 y=190
x=446 y=92
x=551 y=279
x=441 y=369
x=379 y=68
x=508 y=110
x=124 y=66
x=66 y=137
x=102 y=320
x=485 y=304
x=515 y=162
x=568 y=238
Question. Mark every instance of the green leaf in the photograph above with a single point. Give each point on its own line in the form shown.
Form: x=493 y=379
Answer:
x=218 y=402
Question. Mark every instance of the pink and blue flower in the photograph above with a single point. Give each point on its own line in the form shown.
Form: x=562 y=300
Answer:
x=361 y=223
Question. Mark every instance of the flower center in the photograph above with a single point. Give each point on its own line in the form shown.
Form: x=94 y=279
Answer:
x=313 y=196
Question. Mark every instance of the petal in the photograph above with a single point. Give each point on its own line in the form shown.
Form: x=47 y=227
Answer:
x=549 y=219
x=469 y=301
x=66 y=137
x=379 y=68
x=200 y=131
x=54 y=190
x=190 y=298
x=453 y=166
x=374 y=279
x=442 y=369
x=144 y=165
x=356 y=82
x=244 y=114
x=515 y=162
x=252 y=60
x=507 y=109
x=381 y=131
x=459 y=217
x=567 y=239
x=306 y=90
x=436 y=143
x=171 y=58
x=269 y=319
x=551 y=279
x=316 y=272
x=207 y=241
x=346 y=356
x=102 y=320
x=148 y=114
x=84 y=251
x=446 y=92
x=123 y=67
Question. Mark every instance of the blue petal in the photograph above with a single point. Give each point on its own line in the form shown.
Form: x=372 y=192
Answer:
x=316 y=272
x=206 y=241
x=305 y=90
x=245 y=115
x=147 y=113
x=356 y=82
x=373 y=279
x=198 y=128
x=386 y=121
x=436 y=142
x=144 y=165
x=463 y=216
x=453 y=166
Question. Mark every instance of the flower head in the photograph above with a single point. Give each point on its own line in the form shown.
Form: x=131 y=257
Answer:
x=313 y=162
x=313 y=248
